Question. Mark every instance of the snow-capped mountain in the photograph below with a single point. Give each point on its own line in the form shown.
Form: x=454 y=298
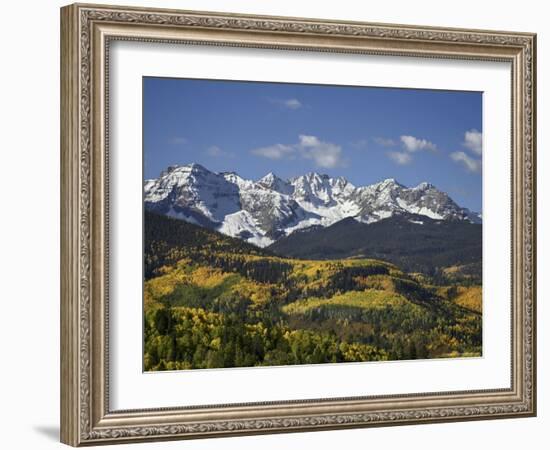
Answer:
x=267 y=209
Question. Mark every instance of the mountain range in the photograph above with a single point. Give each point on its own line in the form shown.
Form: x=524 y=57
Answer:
x=266 y=210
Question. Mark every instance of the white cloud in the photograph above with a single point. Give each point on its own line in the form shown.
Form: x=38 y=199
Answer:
x=324 y=154
x=277 y=151
x=410 y=145
x=292 y=103
x=309 y=141
x=289 y=103
x=385 y=142
x=473 y=141
x=413 y=144
x=216 y=152
x=471 y=164
x=401 y=158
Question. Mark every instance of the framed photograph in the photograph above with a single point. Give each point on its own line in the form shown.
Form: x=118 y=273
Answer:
x=277 y=224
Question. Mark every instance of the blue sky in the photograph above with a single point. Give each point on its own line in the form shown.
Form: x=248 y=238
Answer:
x=364 y=134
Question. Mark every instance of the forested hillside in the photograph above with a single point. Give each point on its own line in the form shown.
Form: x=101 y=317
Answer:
x=213 y=301
x=414 y=243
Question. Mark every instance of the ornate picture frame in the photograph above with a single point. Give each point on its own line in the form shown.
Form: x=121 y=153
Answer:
x=87 y=32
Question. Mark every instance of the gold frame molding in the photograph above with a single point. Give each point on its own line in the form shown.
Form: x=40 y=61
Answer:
x=86 y=31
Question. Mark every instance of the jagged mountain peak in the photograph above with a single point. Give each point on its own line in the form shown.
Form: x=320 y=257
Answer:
x=169 y=170
x=388 y=183
x=235 y=178
x=273 y=182
x=310 y=177
x=197 y=166
x=184 y=167
x=269 y=208
x=425 y=186
x=271 y=179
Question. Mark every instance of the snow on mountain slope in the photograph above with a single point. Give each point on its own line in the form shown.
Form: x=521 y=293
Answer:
x=265 y=210
x=273 y=182
x=193 y=190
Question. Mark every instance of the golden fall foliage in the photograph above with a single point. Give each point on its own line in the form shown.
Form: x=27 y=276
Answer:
x=209 y=306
